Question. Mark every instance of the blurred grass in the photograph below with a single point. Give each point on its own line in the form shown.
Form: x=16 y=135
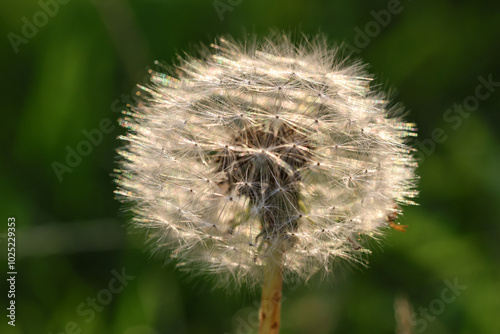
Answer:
x=71 y=235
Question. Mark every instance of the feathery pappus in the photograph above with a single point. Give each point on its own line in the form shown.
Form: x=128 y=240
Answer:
x=257 y=146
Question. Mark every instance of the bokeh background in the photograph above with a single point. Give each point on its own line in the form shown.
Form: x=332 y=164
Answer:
x=78 y=67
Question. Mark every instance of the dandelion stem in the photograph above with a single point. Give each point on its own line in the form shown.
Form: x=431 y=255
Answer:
x=270 y=307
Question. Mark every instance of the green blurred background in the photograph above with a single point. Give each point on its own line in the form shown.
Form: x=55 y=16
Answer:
x=80 y=66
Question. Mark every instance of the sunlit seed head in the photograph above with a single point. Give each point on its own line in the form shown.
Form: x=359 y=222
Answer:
x=263 y=145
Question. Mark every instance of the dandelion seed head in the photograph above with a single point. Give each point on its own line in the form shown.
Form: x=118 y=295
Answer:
x=259 y=145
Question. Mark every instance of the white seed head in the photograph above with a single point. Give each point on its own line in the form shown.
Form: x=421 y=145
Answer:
x=264 y=145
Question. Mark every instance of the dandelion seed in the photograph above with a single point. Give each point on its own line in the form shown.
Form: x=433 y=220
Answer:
x=265 y=160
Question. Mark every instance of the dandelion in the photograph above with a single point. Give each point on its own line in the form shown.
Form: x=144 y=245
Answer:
x=259 y=162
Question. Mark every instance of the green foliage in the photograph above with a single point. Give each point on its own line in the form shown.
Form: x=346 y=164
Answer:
x=76 y=71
